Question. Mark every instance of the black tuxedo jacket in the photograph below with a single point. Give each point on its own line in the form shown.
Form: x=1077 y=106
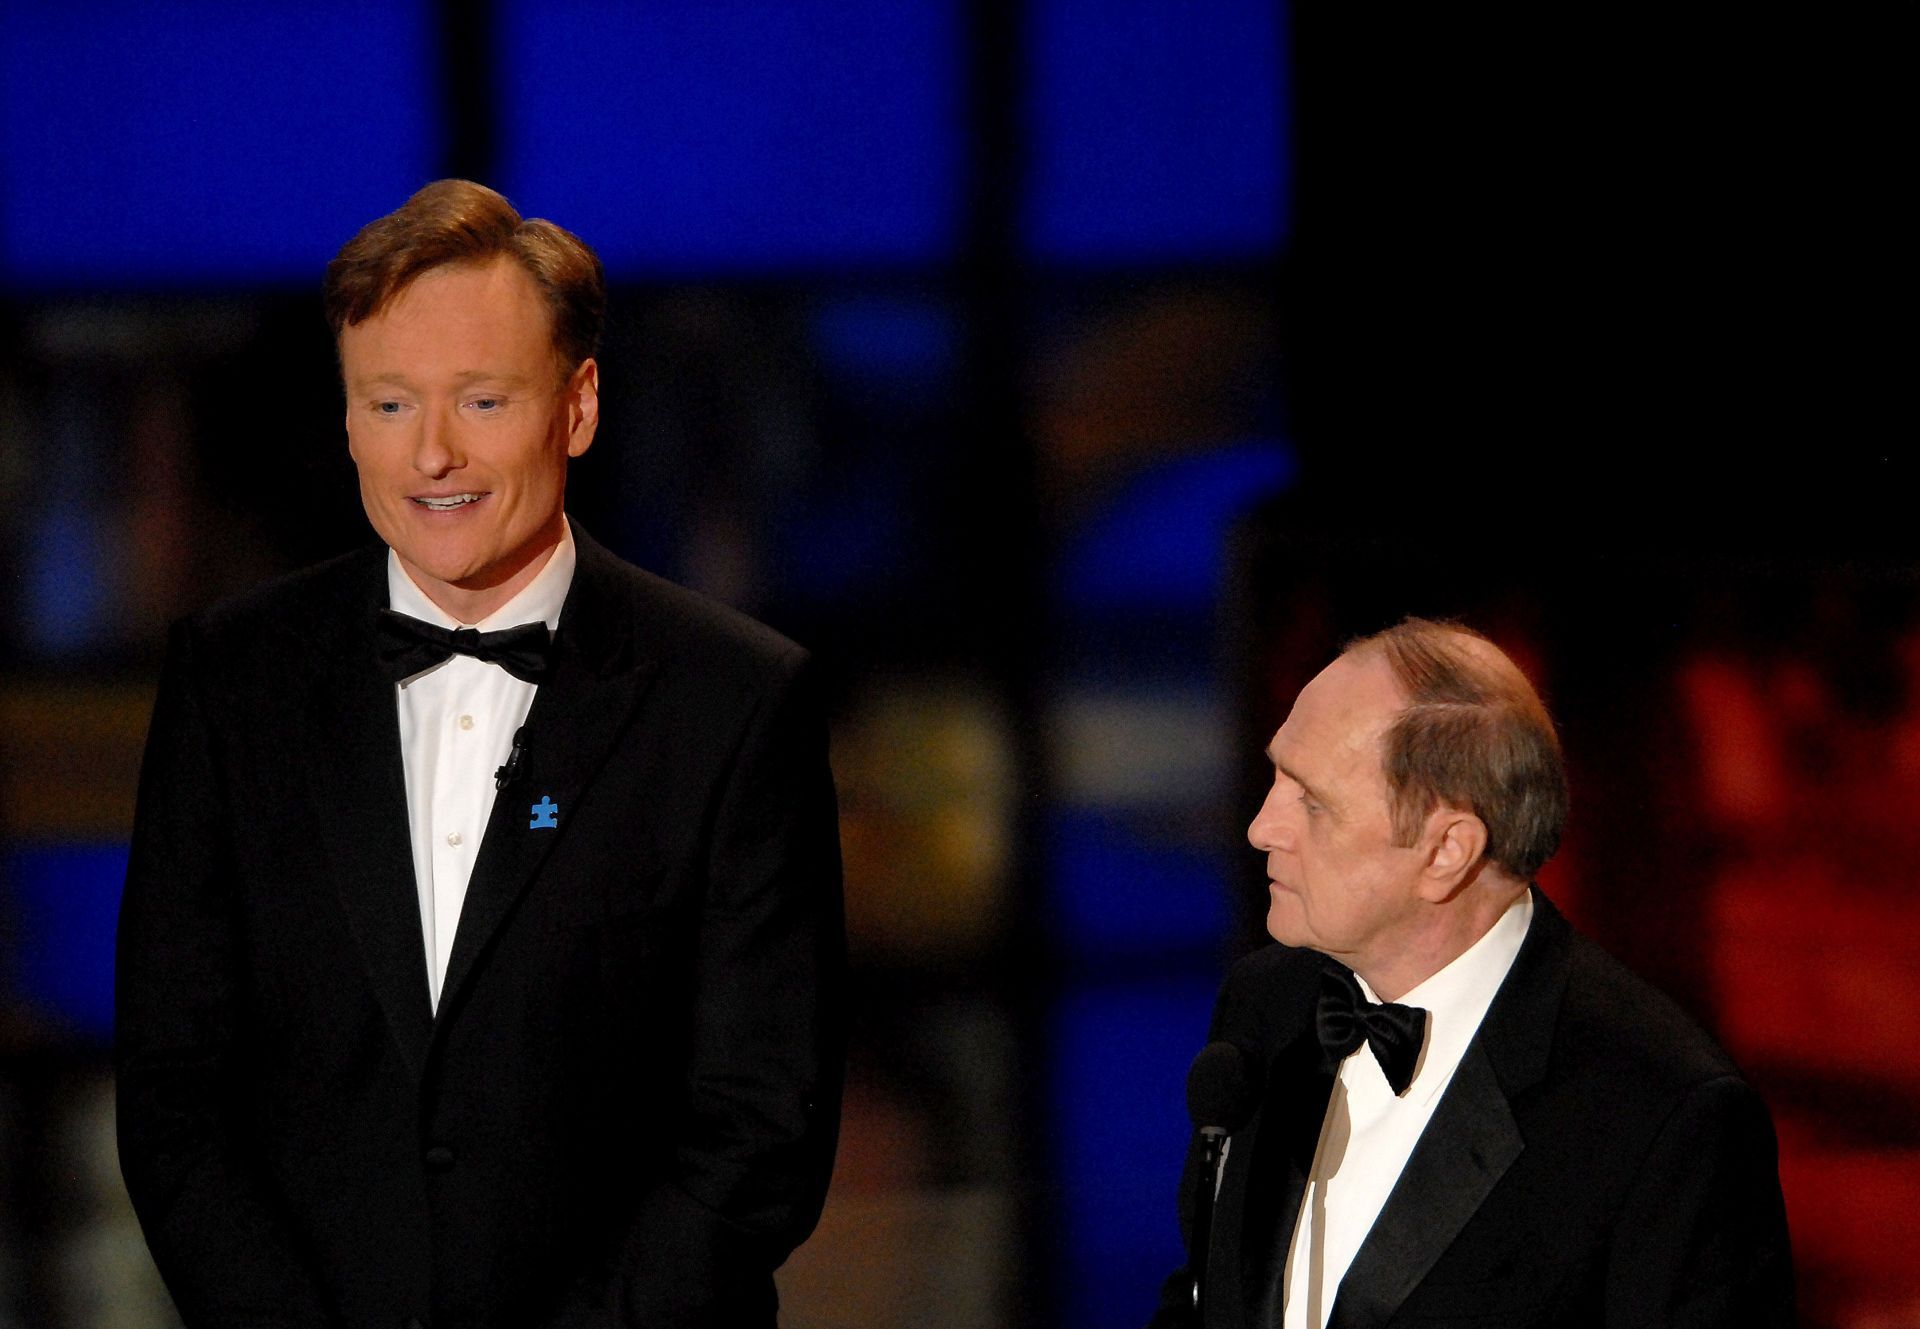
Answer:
x=1596 y=1160
x=624 y=1110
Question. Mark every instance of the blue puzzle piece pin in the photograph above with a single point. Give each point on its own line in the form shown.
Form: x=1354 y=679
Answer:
x=543 y=814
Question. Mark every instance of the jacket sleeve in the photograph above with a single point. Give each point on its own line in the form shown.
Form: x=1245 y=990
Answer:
x=1702 y=1240
x=757 y=1139
x=209 y=1219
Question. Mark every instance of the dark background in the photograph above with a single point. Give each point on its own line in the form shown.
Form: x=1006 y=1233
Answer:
x=1073 y=376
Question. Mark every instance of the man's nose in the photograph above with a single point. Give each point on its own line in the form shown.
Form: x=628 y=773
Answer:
x=1269 y=830
x=437 y=450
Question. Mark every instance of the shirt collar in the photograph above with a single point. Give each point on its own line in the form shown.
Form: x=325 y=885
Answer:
x=540 y=600
x=1456 y=998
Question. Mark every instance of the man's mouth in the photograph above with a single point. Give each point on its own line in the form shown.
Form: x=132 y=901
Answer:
x=446 y=502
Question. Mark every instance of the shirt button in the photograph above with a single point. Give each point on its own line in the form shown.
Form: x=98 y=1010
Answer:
x=453 y=838
x=466 y=722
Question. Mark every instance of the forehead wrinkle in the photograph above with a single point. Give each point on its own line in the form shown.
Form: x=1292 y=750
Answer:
x=509 y=379
x=504 y=377
x=497 y=304
x=1289 y=768
x=1340 y=721
x=493 y=375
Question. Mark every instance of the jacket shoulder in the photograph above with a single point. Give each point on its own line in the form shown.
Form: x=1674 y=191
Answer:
x=1629 y=1032
x=685 y=631
x=297 y=616
x=1268 y=996
x=1274 y=969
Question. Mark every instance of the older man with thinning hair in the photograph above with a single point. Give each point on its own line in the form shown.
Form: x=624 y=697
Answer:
x=1462 y=1111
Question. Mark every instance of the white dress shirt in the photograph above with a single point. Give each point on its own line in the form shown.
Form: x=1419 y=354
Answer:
x=1368 y=1133
x=457 y=722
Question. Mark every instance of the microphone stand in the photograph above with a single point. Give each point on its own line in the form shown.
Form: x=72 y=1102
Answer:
x=1212 y=1138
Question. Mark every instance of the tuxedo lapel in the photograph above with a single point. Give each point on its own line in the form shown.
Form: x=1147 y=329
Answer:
x=359 y=789
x=1472 y=1138
x=1467 y=1147
x=579 y=713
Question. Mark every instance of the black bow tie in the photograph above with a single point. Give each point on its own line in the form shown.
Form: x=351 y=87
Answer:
x=408 y=646
x=1345 y=1019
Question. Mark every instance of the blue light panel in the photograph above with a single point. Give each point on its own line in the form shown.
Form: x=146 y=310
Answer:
x=1115 y=893
x=147 y=145
x=900 y=349
x=65 y=899
x=697 y=137
x=1159 y=543
x=1119 y=1062
x=1157 y=131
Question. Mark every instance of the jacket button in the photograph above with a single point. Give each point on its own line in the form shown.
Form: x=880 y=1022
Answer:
x=439 y=1158
x=415 y=1324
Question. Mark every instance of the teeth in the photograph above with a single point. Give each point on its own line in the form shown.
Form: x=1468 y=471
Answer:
x=448 y=503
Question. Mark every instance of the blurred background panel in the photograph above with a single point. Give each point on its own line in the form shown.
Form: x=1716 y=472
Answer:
x=740 y=137
x=182 y=147
x=1073 y=378
x=1151 y=132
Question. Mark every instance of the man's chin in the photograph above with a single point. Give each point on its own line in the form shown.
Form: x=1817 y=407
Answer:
x=466 y=564
x=440 y=572
x=1282 y=924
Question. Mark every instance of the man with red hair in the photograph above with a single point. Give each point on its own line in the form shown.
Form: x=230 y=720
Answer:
x=480 y=957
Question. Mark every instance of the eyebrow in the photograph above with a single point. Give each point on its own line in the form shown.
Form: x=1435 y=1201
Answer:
x=1281 y=767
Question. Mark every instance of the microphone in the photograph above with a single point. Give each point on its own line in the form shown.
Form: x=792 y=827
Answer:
x=507 y=774
x=1221 y=1097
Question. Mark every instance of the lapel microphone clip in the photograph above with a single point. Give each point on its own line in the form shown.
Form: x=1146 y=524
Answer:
x=510 y=772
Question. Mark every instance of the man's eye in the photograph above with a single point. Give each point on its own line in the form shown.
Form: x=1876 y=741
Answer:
x=386 y=408
x=487 y=403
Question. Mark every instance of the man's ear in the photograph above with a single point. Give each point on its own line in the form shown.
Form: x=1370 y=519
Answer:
x=1456 y=844
x=583 y=407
